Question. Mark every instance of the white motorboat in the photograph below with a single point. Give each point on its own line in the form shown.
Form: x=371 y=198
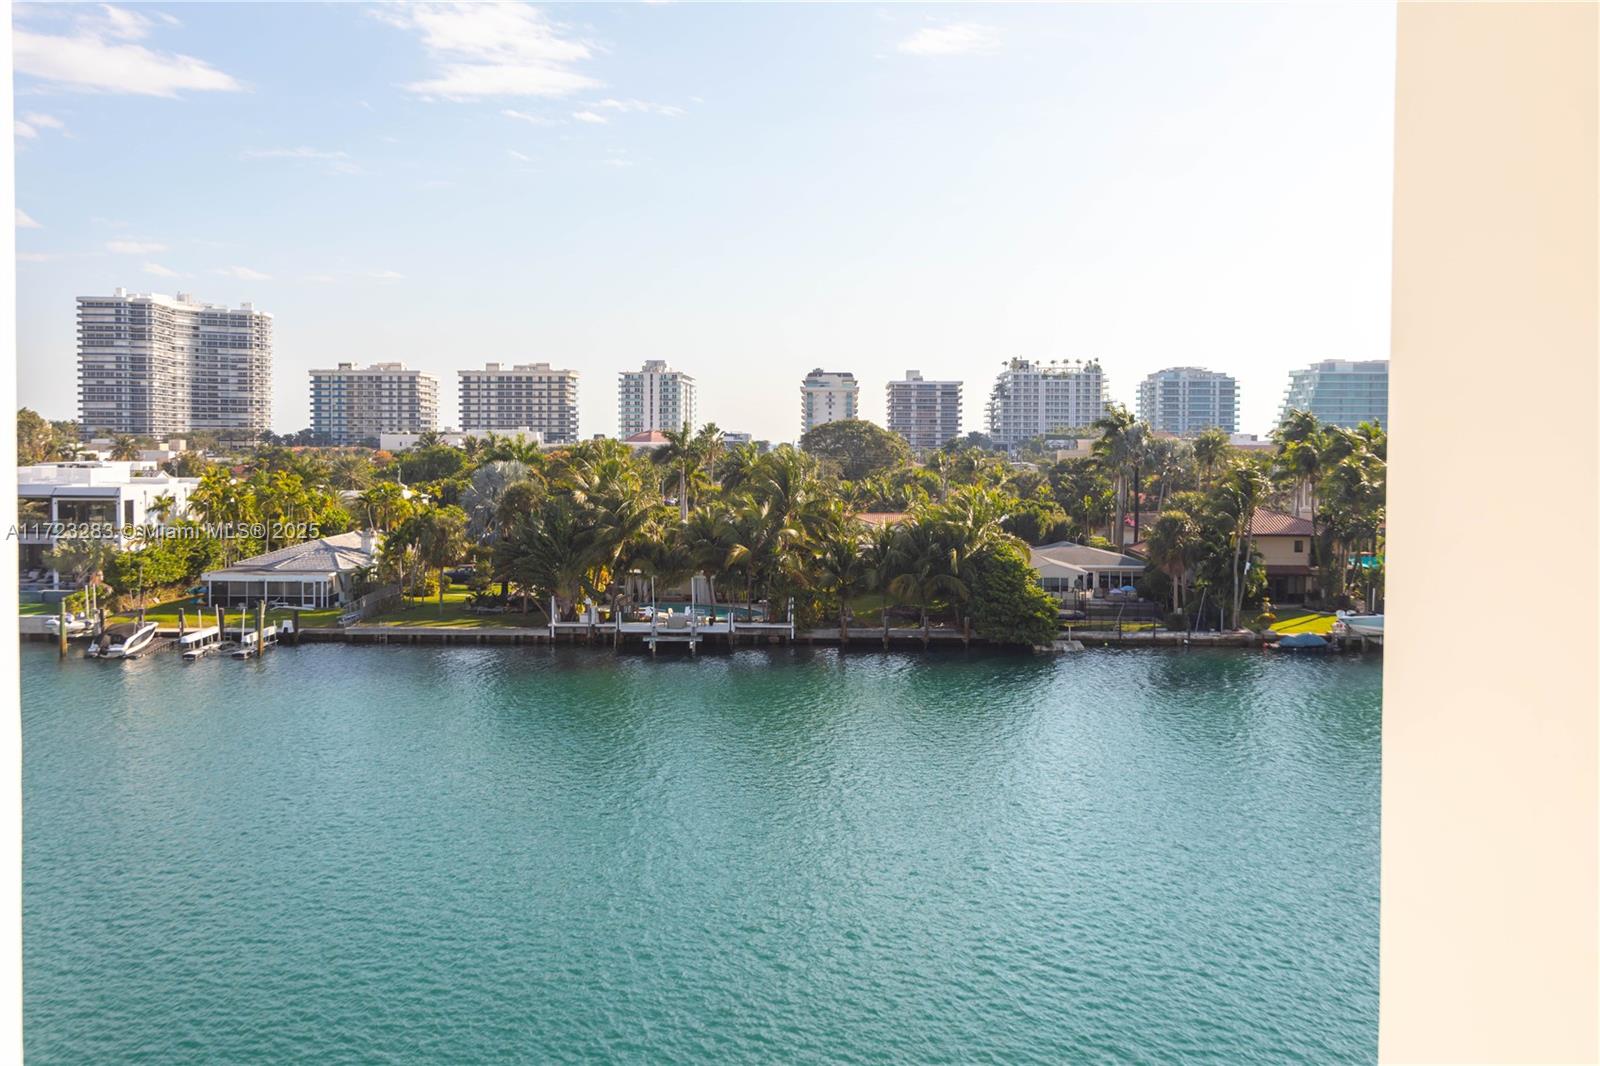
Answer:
x=1362 y=625
x=76 y=625
x=198 y=643
x=125 y=640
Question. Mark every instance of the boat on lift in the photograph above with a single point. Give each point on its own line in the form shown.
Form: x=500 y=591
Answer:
x=246 y=647
x=125 y=640
x=198 y=643
x=1369 y=626
x=77 y=625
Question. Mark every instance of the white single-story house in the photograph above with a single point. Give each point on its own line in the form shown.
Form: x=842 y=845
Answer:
x=313 y=574
x=1068 y=567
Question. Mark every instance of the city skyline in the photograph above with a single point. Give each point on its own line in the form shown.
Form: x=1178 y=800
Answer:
x=943 y=188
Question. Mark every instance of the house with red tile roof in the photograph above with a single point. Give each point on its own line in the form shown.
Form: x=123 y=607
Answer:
x=1284 y=543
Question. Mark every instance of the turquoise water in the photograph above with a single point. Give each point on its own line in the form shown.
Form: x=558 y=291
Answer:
x=408 y=855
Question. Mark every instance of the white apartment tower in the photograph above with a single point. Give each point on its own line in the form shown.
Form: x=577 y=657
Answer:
x=1341 y=392
x=654 y=397
x=1186 y=399
x=828 y=396
x=926 y=413
x=525 y=396
x=350 y=404
x=154 y=365
x=1032 y=399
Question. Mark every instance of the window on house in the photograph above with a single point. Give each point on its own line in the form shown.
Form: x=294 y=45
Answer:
x=1299 y=545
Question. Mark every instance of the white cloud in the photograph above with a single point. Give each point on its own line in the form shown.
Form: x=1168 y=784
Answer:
x=643 y=106
x=26 y=221
x=953 y=39
x=160 y=271
x=36 y=257
x=386 y=275
x=523 y=116
x=518 y=156
x=590 y=117
x=243 y=274
x=30 y=124
x=291 y=153
x=134 y=247
x=96 y=55
x=491 y=50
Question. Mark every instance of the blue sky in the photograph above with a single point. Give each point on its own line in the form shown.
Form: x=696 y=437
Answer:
x=745 y=191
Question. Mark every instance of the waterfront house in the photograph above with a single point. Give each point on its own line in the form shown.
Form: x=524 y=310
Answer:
x=1065 y=567
x=1284 y=542
x=325 y=572
x=96 y=498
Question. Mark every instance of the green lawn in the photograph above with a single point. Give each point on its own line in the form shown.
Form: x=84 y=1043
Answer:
x=166 y=615
x=415 y=613
x=453 y=615
x=1296 y=620
x=25 y=609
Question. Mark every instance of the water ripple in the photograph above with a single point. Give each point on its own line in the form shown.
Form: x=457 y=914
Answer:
x=407 y=855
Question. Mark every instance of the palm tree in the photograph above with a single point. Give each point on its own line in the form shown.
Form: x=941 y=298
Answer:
x=83 y=559
x=971 y=525
x=1235 y=501
x=549 y=552
x=164 y=506
x=1170 y=546
x=710 y=445
x=125 y=447
x=483 y=494
x=385 y=505
x=441 y=539
x=1210 y=449
x=681 y=453
x=736 y=466
x=1301 y=440
x=838 y=564
x=921 y=568
x=1115 y=449
x=350 y=471
x=711 y=535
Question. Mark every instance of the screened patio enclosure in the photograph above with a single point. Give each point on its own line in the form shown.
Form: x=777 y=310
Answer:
x=312 y=592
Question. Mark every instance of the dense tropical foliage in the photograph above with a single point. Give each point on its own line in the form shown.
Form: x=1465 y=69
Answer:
x=943 y=542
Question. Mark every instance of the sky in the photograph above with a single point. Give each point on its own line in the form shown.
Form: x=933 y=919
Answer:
x=747 y=192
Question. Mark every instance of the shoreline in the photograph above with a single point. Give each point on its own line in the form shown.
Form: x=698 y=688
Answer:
x=861 y=639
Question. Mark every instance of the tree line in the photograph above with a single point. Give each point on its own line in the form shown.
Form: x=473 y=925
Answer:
x=576 y=523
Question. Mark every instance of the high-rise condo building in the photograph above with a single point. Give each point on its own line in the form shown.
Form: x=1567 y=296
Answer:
x=1033 y=399
x=352 y=405
x=1341 y=392
x=828 y=396
x=1186 y=399
x=525 y=396
x=154 y=365
x=926 y=413
x=654 y=397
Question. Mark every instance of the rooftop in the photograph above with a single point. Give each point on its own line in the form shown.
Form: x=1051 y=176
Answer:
x=94 y=474
x=343 y=553
x=1265 y=523
x=1068 y=553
